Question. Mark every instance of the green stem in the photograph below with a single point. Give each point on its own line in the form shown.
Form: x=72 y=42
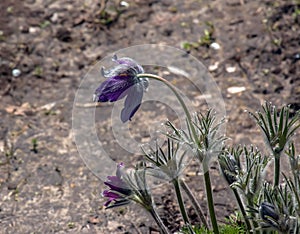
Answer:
x=179 y=98
x=210 y=199
x=254 y=222
x=197 y=140
x=195 y=203
x=276 y=170
x=158 y=220
x=181 y=204
x=240 y=203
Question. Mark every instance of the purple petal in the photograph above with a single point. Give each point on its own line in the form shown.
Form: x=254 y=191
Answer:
x=114 y=182
x=118 y=70
x=120 y=189
x=107 y=202
x=132 y=102
x=109 y=194
x=130 y=63
x=114 y=88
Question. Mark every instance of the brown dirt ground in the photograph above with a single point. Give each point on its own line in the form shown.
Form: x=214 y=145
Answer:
x=47 y=188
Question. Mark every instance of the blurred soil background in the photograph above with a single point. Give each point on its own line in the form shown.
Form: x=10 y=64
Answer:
x=47 y=47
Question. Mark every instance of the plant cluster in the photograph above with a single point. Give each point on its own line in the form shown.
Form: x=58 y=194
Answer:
x=264 y=206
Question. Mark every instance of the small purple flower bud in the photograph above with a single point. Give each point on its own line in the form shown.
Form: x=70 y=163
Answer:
x=122 y=81
x=269 y=214
x=229 y=168
x=118 y=189
x=272 y=218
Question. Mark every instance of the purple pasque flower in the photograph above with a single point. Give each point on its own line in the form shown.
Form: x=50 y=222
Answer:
x=118 y=191
x=269 y=214
x=275 y=219
x=122 y=81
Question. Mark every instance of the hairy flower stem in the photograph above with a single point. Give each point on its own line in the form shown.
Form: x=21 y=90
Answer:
x=254 y=222
x=158 y=220
x=276 y=170
x=181 y=204
x=197 y=140
x=195 y=203
x=240 y=203
x=179 y=98
x=209 y=197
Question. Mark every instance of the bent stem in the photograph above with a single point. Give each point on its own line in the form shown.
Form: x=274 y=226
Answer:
x=179 y=98
x=158 y=220
x=195 y=203
x=197 y=140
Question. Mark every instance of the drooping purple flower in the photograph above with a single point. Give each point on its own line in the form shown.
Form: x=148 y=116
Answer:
x=118 y=189
x=122 y=81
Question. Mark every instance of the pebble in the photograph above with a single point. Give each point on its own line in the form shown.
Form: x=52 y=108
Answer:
x=24 y=29
x=34 y=29
x=196 y=21
x=214 y=66
x=230 y=69
x=215 y=46
x=124 y=4
x=54 y=18
x=16 y=72
x=236 y=89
